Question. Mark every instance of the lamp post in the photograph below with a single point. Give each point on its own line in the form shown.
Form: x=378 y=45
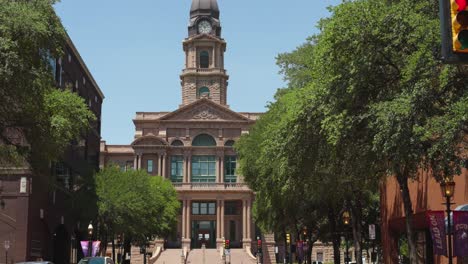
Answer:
x=7 y=246
x=448 y=189
x=346 y=221
x=90 y=239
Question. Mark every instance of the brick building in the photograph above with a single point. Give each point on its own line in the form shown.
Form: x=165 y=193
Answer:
x=34 y=219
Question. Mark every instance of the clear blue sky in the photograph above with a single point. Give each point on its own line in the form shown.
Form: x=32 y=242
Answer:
x=134 y=51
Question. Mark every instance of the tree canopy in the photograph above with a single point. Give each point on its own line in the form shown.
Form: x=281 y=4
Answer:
x=136 y=204
x=37 y=120
x=367 y=98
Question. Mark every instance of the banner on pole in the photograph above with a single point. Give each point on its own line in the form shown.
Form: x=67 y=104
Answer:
x=436 y=221
x=95 y=250
x=460 y=233
x=84 y=247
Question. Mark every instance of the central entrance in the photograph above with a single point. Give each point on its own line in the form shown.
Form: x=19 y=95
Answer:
x=203 y=232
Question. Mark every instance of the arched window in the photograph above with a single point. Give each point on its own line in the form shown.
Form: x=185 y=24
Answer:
x=229 y=143
x=204 y=59
x=203 y=92
x=204 y=140
x=177 y=143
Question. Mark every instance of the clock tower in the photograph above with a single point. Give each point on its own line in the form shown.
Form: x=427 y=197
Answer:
x=204 y=75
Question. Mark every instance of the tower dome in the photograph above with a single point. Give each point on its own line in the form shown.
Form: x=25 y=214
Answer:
x=204 y=8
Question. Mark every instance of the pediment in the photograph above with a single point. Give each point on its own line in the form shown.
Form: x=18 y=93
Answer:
x=148 y=141
x=204 y=110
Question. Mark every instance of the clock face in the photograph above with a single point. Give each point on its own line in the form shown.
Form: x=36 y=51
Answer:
x=204 y=27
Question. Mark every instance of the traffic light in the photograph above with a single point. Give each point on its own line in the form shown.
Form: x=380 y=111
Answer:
x=226 y=244
x=459 y=16
x=259 y=246
x=288 y=239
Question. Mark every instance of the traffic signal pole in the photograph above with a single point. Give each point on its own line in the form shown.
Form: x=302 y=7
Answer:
x=454 y=34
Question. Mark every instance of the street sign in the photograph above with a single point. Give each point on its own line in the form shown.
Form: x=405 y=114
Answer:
x=227 y=252
x=372 y=232
x=6 y=244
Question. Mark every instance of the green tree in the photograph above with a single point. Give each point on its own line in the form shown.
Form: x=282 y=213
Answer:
x=135 y=204
x=385 y=87
x=37 y=121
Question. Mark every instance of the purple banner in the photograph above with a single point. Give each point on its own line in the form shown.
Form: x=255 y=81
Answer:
x=436 y=221
x=460 y=233
x=84 y=247
x=96 y=245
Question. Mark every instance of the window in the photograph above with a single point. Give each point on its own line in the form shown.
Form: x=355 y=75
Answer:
x=177 y=171
x=229 y=143
x=320 y=256
x=63 y=175
x=204 y=140
x=230 y=169
x=203 y=208
x=231 y=208
x=150 y=166
x=177 y=143
x=204 y=59
x=203 y=169
x=203 y=92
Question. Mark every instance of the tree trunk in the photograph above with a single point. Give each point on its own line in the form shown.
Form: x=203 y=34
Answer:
x=408 y=206
x=113 y=247
x=356 y=218
x=335 y=236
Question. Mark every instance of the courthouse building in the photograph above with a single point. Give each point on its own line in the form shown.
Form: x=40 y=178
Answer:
x=193 y=145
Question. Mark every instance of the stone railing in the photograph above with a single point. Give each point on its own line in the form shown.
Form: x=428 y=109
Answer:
x=199 y=186
x=203 y=70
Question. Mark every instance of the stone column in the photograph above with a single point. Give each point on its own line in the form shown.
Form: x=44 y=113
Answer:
x=140 y=158
x=186 y=225
x=244 y=217
x=219 y=236
x=135 y=161
x=221 y=168
x=247 y=240
x=217 y=169
x=164 y=170
x=184 y=213
x=222 y=218
x=189 y=169
x=249 y=219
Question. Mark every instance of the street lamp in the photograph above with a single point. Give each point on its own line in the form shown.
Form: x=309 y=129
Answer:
x=90 y=237
x=346 y=221
x=448 y=190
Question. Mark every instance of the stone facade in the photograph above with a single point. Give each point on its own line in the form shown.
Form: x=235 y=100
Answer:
x=193 y=147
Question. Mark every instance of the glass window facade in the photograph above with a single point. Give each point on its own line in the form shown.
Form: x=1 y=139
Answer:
x=230 y=169
x=203 y=169
x=177 y=171
x=203 y=208
x=149 y=166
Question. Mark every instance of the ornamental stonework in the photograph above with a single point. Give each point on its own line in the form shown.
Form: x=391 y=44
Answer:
x=205 y=114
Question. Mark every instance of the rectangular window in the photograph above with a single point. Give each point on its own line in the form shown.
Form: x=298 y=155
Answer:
x=320 y=256
x=203 y=169
x=177 y=171
x=231 y=208
x=230 y=169
x=203 y=208
x=196 y=208
x=150 y=166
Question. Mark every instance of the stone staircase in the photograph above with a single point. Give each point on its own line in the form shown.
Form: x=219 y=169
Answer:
x=170 y=256
x=239 y=256
x=204 y=256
